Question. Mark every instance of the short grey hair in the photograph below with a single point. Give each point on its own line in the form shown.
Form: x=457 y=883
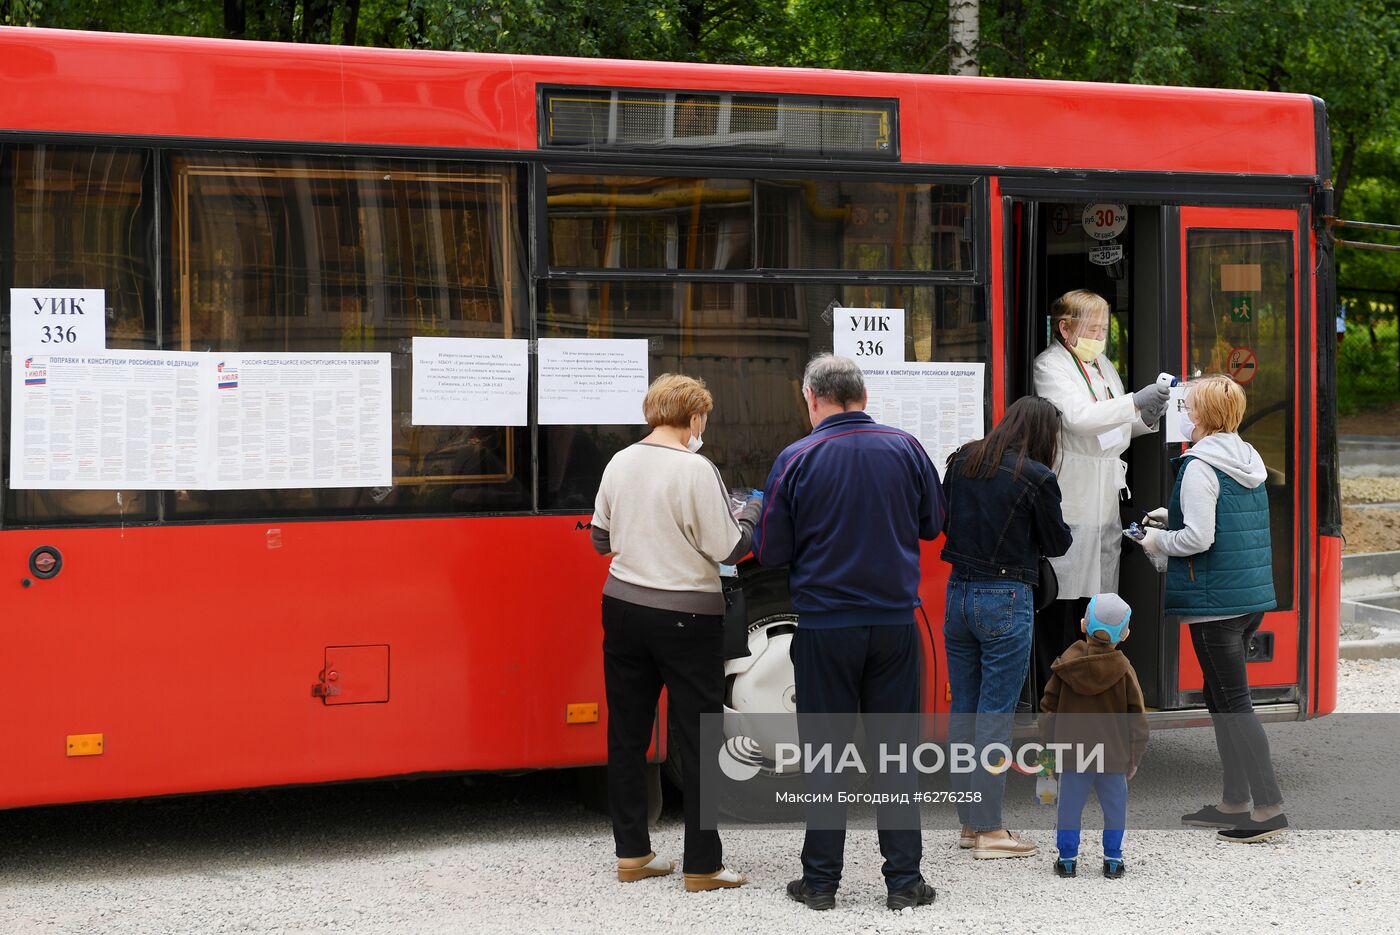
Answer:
x=835 y=379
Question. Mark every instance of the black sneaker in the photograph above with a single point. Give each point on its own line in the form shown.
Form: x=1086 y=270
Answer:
x=920 y=894
x=1250 y=831
x=1113 y=867
x=799 y=891
x=1066 y=867
x=1212 y=817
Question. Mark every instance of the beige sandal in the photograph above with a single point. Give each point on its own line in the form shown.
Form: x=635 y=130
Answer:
x=632 y=869
x=966 y=838
x=721 y=879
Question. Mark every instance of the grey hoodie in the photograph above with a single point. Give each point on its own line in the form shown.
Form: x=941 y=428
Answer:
x=1200 y=489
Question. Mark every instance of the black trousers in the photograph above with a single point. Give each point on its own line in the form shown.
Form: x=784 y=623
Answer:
x=1221 y=648
x=873 y=670
x=644 y=649
x=1056 y=629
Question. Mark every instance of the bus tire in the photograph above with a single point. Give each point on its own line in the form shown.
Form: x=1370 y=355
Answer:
x=593 y=790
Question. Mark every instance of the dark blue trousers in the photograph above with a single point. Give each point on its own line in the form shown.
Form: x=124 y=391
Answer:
x=1112 y=790
x=872 y=670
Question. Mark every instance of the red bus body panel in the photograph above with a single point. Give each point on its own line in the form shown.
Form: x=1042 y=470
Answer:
x=163 y=86
x=1328 y=633
x=206 y=683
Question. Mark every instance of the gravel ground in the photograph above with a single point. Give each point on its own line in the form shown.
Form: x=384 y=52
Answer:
x=520 y=855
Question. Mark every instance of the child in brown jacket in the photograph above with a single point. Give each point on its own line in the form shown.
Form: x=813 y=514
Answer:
x=1095 y=685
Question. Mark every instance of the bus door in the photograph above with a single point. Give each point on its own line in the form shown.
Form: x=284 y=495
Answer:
x=1117 y=251
x=1240 y=300
x=1160 y=268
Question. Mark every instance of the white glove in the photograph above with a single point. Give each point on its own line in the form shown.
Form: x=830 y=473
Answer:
x=1151 y=402
x=1152 y=544
x=1156 y=518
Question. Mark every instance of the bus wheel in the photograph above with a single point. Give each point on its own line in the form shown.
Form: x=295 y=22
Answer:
x=593 y=790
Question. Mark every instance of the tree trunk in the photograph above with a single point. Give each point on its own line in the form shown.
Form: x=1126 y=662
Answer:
x=692 y=17
x=962 y=37
x=316 y=21
x=349 y=28
x=284 y=13
x=235 y=19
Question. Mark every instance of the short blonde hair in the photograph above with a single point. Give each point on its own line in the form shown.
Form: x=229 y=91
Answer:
x=1217 y=403
x=673 y=398
x=1078 y=305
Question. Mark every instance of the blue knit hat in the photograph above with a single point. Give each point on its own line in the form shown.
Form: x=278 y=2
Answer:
x=1107 y=617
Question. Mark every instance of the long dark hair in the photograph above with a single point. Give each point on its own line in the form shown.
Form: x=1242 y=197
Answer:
x=1030 y=427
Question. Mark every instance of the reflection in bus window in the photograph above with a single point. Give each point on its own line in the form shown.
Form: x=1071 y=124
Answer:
x=1240 y=322
x=80 y=217
x=682 y=223
x=285 y=253
x=750 y=343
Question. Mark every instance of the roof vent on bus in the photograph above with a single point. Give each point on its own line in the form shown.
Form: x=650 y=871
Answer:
x=630 y=119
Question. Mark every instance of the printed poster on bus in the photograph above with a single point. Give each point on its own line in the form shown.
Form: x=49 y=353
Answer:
x=869 y=336
x=115 y=420
x=58 y=321
x=471 y=381
x=940 y=404
x=301 y=420
x=592 y=381
x=163 y=420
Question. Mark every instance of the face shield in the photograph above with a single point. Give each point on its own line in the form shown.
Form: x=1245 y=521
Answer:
x=1085 y=335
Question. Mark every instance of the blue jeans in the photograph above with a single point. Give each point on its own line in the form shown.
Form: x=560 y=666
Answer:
x=987 y=638
x=1112 y=790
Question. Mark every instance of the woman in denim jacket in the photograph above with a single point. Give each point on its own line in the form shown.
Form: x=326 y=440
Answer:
x=1003 y=515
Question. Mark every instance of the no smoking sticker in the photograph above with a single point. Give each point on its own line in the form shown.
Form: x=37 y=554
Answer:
x=1243 y=364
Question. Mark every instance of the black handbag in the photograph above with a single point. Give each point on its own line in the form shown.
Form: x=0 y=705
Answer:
x=1047 y=588
x=736 y=619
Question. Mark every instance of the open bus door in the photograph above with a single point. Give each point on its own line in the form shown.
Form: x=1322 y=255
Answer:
x=1240 y=286
x=1191 y=291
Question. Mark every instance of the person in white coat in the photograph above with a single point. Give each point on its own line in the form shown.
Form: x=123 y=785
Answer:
x=1098 y=421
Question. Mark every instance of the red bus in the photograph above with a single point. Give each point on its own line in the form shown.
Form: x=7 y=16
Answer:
x=251 y=197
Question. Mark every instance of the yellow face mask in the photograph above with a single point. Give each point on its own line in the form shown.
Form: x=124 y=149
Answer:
x=1086 y=349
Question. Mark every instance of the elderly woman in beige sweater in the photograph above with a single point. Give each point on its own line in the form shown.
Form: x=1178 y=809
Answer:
x=663 y=515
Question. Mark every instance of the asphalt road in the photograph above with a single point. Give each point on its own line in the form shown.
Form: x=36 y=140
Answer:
x=522 y=854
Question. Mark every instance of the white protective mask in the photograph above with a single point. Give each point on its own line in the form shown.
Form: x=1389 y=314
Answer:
x=1188 y=428
x=694 y=443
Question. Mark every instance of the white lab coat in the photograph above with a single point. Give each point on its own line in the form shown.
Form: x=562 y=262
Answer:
x=1095 y=430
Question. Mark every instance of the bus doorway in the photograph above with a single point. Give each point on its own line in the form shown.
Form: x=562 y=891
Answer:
x=1191 y=291
x=1116 y=251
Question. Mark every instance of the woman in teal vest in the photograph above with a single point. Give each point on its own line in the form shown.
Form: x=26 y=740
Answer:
x=1220 y=581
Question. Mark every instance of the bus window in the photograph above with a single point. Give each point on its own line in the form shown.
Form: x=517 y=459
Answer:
x=851 y=225
x=683 y=223
x=650 y=223
x=289 y=253
x=749 y=342
x=1240 y=321
x=80 y=217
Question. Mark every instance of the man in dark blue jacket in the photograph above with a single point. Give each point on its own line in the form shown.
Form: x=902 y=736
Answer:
x=845 y=509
